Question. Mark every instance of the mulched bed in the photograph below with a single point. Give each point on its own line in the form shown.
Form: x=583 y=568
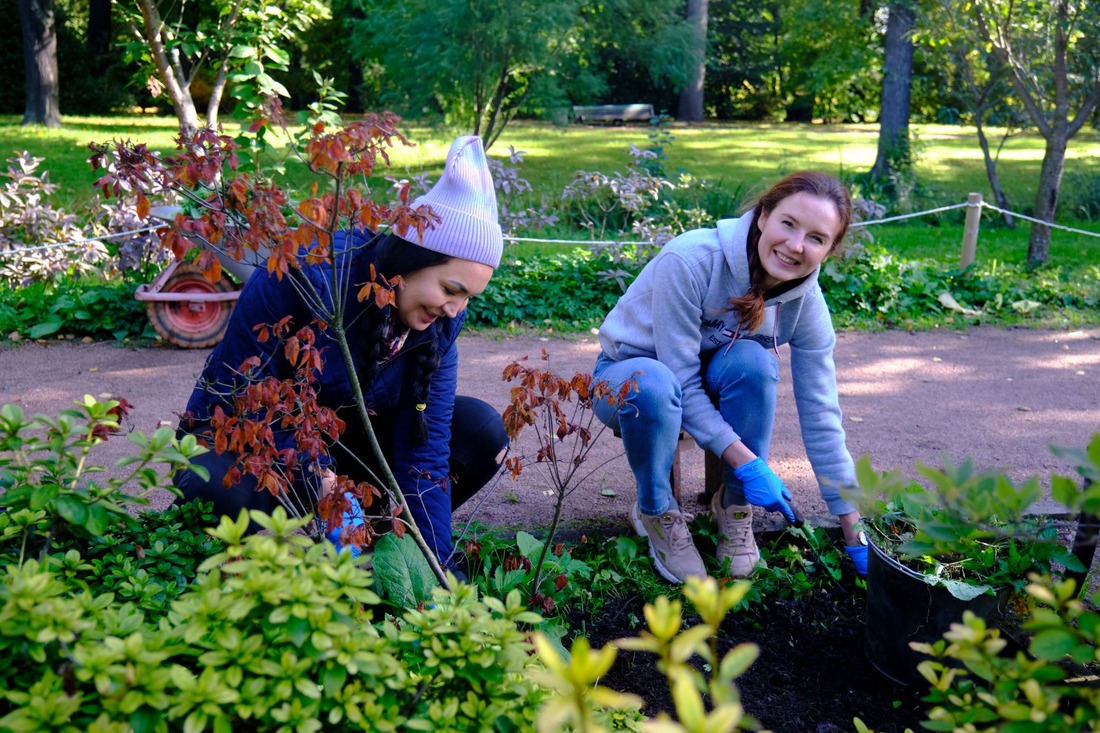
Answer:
x=811 y=676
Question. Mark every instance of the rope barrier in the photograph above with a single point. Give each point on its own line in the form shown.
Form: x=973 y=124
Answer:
x=1038 y=221
x=78 y=242
x=512 y=238
x=888 y=219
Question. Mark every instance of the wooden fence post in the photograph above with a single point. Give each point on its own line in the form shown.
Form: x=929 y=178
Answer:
x=970 y=230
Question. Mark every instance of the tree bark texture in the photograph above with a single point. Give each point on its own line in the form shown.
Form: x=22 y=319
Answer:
x=991 y=173
x=171 y=75
x=1046 y=198
x=897 y=81
x=691 y=96
x=1051 y=113
x=36 y=18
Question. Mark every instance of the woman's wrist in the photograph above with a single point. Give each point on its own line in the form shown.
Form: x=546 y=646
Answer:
x=737 y=454
x=849 y=525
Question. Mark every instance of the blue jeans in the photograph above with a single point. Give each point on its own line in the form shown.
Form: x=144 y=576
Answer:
x=742 y=382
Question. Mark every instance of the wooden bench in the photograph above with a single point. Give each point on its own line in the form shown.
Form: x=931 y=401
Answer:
x=616 y=114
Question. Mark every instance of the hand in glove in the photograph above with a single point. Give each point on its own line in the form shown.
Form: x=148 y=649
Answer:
x=353 y=517
x=763 y=488
x=859 y=558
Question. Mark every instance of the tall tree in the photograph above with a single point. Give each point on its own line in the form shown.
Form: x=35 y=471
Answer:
x=980 y=83
x=894 y=154
x=36 y=19
x=477 y=63
x=1053 y=60
x=691 y=96
x=240 y=43
x=828 y=55
x=743 y=67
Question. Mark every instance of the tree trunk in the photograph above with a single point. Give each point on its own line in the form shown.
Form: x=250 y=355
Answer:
x=991 y=173
x=171 y=75
x=36 y=18
x=1057 y=125
x=897 y=81
x=691 y=96
x=1046 y=200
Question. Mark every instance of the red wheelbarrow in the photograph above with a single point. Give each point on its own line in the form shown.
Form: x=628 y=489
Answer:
x=183 y=305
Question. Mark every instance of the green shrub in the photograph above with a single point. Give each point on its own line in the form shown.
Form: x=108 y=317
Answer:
x=147 y=563
x=555 y=289
x=877 y=287
x=50 y=488
x=276 y=633
x=77 y=307
x=1045 y=690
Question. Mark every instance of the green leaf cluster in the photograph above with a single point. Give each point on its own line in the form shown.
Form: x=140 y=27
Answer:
x=74 y=306
x=528 y=290
x=1043 y=690
x=49 y=482
x=878 y=287
x=964 y=528
x=275 y=633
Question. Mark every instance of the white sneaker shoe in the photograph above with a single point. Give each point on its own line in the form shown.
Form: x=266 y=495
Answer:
x=735 y=538
x=670 y=544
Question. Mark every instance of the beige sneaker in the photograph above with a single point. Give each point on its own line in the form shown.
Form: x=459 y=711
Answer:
x=735 y=539
x=670 y=544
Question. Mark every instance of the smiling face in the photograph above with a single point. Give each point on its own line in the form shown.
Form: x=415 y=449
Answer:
x=796 y=236
x=440 y=291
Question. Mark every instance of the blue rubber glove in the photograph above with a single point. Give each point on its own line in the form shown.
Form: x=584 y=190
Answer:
x=859 y=558
x=353 y=517
x=763 y=488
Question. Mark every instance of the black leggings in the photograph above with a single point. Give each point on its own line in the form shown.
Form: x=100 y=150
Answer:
x=477 y=438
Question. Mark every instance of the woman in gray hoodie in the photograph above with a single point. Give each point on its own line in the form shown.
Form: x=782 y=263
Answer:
x=698 y=331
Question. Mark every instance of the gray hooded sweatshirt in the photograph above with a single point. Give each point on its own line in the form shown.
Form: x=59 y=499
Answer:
x=677 y=311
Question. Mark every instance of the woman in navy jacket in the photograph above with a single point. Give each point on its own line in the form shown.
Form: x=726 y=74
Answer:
x=441 y=447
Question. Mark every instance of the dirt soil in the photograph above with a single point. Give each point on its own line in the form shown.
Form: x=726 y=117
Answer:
x=997 y=396
x=810 y=675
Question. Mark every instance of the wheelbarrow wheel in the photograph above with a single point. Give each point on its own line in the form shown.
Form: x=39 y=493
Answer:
x=191 y=324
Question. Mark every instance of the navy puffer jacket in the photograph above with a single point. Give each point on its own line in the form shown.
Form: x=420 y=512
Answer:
x=420 y=468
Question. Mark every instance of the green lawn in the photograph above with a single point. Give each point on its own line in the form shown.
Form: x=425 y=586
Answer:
x=744 y=156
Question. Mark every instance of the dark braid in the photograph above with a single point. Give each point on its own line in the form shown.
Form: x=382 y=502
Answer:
x=750 y=306
x=394 y=257
x=427 y=361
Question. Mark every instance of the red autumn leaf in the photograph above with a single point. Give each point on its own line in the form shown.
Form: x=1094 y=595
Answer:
x=142 y=206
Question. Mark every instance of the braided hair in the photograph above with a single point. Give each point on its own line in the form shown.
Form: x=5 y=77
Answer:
x=750 y=306
x=393 y=256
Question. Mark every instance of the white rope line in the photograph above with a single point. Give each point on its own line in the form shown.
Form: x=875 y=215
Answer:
x=512 y=238
x=1039 y=221
x=869 y=222
x=78 y=242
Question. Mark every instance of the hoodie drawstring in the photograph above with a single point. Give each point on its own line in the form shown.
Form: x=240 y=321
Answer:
x=775 y=333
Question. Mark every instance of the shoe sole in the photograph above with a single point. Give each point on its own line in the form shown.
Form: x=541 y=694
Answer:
x=636 y=520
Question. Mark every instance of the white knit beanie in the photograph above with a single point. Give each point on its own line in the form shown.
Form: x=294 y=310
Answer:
x=466 y=204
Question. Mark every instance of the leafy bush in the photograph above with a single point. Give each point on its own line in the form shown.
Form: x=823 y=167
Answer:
x=876 y=287
x=1047 y=689
x=50 y=487
x=529 y=290
x=148 y=563
x=79 y=307
x=277 y=633
x=27 y=220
